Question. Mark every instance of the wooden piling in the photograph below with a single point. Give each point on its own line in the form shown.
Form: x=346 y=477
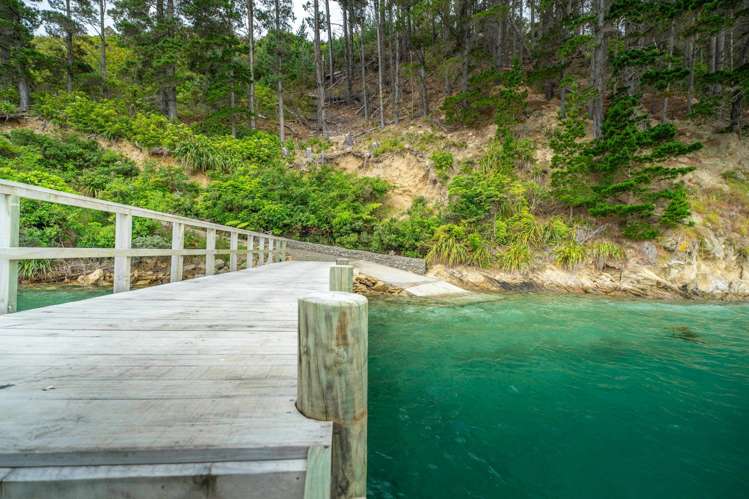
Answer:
x=332 y=381
x=10 y=214
x=342 y=278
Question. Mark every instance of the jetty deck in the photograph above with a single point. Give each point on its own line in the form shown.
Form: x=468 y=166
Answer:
x=187 y=388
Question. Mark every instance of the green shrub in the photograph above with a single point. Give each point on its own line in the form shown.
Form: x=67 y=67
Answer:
x=443 y=164
x=388 y=145
x=570 y=254
x=555 y=231
x=409 y=235
x=603 y=252
x=480 y=251
x=514 y=257
x=525 y=229
x=449 y=246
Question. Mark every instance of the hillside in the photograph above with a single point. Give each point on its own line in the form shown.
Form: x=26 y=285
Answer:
x=705 y=257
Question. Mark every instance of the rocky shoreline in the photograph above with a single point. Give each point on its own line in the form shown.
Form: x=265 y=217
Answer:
x=708 y=283
x=710 y=280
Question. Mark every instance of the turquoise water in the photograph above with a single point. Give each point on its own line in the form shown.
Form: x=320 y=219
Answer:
x=36 y=297
x=559 y=397
x=534 y=396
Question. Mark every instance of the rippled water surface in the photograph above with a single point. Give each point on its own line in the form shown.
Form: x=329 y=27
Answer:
x=36 y=297
x=558 y=397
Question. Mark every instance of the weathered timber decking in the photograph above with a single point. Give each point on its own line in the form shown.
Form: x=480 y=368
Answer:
x=194 y=378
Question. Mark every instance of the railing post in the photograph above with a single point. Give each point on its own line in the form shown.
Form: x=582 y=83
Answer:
x=342 y=278
x=234 y=248
x=283 y=251
x=10 y=214
x=260 y=251
x=210 y=256
x=123 y=236
x=332 y=381
x=250 y=251
x=271 y=256
x=178 y=243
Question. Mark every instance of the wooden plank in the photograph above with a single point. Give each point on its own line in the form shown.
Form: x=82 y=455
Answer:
x=122 y=241
x=9 y=220
x=202 y=370
x=317 y=479
x=217 y=480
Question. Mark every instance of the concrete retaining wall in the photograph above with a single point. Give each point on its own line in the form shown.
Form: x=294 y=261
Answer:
x=308 y=250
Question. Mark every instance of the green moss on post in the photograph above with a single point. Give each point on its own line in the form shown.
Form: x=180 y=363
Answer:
x=332 y=381
x=342 y=278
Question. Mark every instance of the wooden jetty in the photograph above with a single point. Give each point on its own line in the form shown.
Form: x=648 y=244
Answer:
x=185 y=390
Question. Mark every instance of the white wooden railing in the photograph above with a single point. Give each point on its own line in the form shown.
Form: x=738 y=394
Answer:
x=269 y=248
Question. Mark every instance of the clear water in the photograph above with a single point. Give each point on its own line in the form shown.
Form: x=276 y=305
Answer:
x=550 y=397
x=558 y=397
x=36 y=297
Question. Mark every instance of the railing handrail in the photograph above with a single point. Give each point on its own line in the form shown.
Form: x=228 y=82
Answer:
x=269 y=248
x=36 y=193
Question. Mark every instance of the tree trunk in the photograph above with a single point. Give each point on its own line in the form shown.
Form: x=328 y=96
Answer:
x=232 y=105
x=348 y=50
x=251 y=61
x=690 y=84
x=396 y=76
x=171 y=70
x=319 y=72
x=279 y=83
x=330 y=40
x=380 y=70
x=363 y=69
x=598 y=67
x=69 y=47
x=423 y=81
x=466 y=28
x=737 y=97
x=24 y=99
x=103 y=46
x=664 y=110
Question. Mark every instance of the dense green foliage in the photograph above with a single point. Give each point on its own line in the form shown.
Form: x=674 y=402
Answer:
x=620 y=175
x=323 y=205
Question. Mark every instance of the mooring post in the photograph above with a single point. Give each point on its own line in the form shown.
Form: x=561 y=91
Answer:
x=123 y=237
x=332 y=381
x=10 y=214
x=342 y=278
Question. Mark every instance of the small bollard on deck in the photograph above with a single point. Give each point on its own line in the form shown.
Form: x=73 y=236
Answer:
x=342 y=278
x=332 y=381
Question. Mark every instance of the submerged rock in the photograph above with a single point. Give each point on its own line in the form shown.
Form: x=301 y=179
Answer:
x=686 y=334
